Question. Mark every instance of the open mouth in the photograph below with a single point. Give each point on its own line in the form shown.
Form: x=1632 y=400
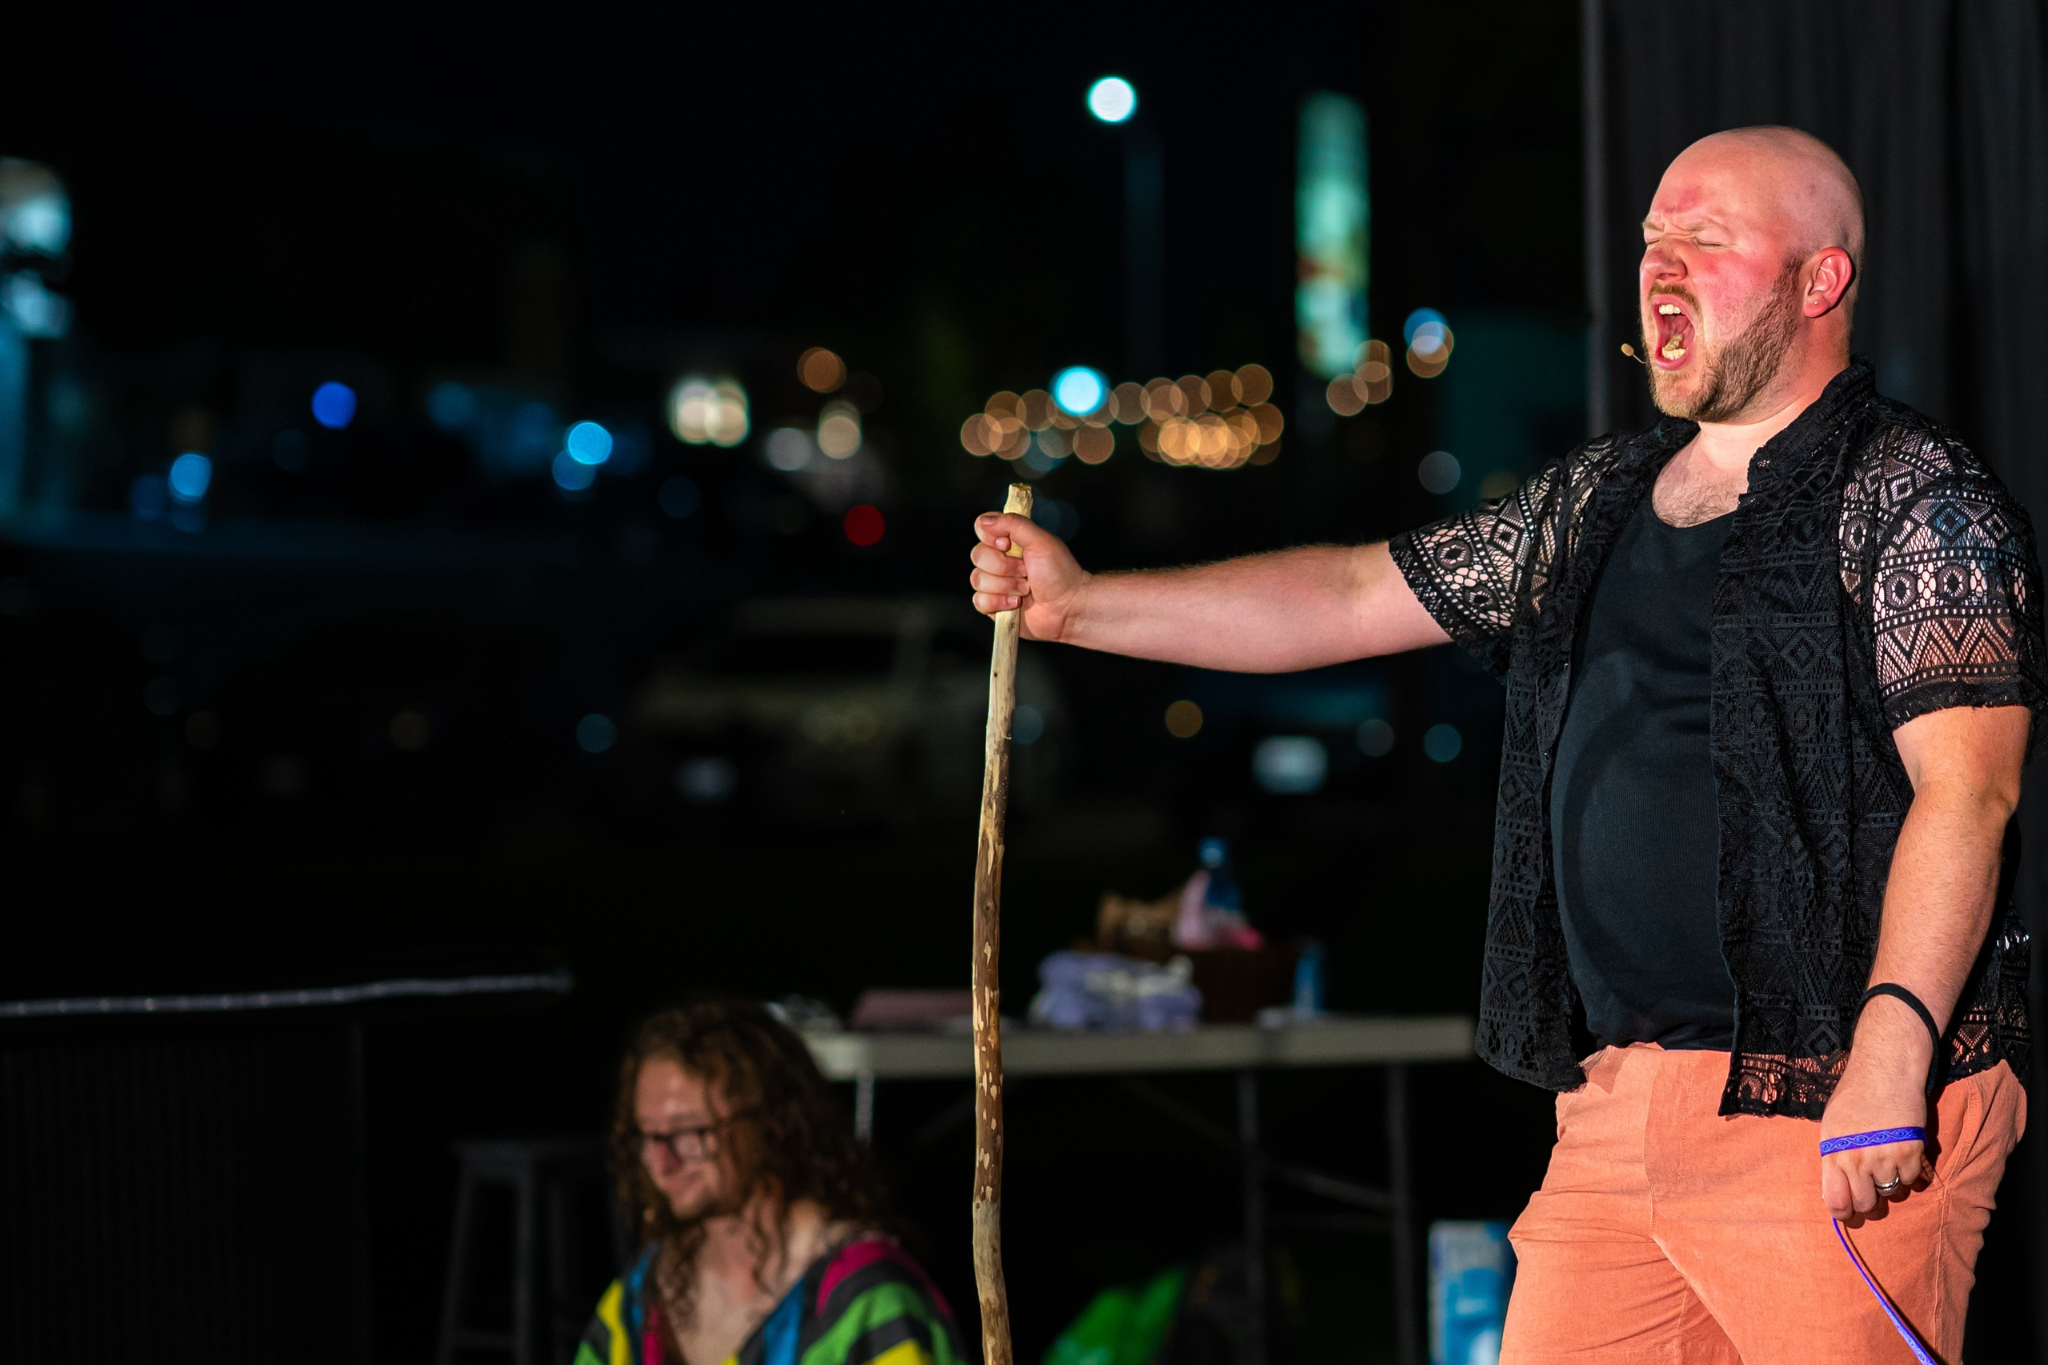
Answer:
x=1674 y=331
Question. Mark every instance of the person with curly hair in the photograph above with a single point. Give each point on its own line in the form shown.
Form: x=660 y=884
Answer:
x=764 y=1222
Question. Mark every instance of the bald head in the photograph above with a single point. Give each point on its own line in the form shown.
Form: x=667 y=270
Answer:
x=1751 y=251
x=1790 y=175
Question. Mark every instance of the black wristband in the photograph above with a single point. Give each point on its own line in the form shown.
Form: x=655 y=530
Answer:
x=1934 y=1068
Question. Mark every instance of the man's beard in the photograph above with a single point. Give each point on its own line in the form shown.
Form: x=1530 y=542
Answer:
x=1734 y=373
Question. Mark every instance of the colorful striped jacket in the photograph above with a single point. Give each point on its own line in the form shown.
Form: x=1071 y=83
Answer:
x=865 y=1302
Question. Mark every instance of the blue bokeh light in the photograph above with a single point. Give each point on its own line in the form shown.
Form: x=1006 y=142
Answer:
x=1080 y=390
x=452 y=406
x=148 y=499
x=1415 y=320
x=571 y=474
x=588 y=443
x=191 y=476
x=1112 y=99
x=595 y=733
x=334 y=405
x=1442 y=743
x=1290 y=765
x=679 y=497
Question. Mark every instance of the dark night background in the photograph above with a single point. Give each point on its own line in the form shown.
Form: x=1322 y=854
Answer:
x=578 y=205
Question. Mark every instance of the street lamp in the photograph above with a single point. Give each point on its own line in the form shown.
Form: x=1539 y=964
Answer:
x=1113 y=100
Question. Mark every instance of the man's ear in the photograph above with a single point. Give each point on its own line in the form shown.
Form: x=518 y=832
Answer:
x=1830 y=276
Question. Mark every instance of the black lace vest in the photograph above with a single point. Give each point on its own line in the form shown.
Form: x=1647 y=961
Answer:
x=1875 y=571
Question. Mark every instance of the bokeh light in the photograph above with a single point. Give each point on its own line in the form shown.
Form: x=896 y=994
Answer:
x=595 y=733
x=707 y=781
x=863 y=524
x=1254 y=385
x=679 y=497
x=1027 y=726
x=1112 y=99
x=1063 y=519
x=1094 y=444
x=334 y=405
x=1216 y=421
x=704 y=411
x=1183 y=720
x=452 y=406
x=571 y=474
x=1290 y=765
x=980 y=434
x=788 y=449
x=1375 y=372
x=1163 y=399
x=1038 y=409
x=820 y=370
x=149 y=498
x=1429 y=348
x=839 y=430
x=1345 y=396
x=191 y=475
x=1442 y=743
x=1439 y=471
x=1080 y=390
x=1418 y=319
x=1375 y=738
x=588 y=443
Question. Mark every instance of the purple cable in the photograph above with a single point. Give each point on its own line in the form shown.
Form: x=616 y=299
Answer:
x=1906 y=1332
x=1878 y=1139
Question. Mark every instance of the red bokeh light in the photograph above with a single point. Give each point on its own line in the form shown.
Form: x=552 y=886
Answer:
x=863 y=525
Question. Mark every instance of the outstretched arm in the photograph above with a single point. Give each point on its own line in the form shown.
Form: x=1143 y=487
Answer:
x=1964 y=763
x=1271 y=613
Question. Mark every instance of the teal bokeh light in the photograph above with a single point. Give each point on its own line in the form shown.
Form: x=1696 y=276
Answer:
x=1079 y=390
x=1112 y=99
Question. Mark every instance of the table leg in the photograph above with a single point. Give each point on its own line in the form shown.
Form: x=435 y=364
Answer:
x=864 y=1107
x=1254 y=1218
x=1403 y=1215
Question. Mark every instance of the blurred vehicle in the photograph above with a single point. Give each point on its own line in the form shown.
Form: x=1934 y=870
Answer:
x=824 y=710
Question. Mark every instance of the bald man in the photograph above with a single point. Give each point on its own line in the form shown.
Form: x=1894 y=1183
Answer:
x=1772 y=667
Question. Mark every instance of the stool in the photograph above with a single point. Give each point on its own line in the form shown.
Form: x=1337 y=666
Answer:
x=544 y=1177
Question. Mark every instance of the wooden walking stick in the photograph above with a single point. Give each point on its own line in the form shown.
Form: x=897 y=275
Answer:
x=988 y=960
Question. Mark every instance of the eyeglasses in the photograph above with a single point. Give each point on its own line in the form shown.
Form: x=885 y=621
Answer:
x=685 y=1144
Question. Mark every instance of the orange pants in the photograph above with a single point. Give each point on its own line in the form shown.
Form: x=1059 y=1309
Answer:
x=1665 y=1233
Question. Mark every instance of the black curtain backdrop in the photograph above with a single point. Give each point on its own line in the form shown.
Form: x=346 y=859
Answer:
x=1941 y=111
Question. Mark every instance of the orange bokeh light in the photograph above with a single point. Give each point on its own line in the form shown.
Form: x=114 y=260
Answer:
x=820 y=370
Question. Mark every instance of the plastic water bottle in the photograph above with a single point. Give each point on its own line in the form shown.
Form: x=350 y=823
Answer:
x=1223 y=890
x=1308 y=980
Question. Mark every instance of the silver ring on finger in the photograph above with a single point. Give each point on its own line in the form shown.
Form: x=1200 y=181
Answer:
x=1890 y=1187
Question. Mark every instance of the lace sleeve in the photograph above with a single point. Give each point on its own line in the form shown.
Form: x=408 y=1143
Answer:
x=1956 y=605
x=1470 y=571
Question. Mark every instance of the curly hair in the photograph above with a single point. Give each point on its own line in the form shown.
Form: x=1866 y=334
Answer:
x=788 y=1139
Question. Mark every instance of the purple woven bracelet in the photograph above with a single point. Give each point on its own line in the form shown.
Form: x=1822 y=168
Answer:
x=1876 y=1139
